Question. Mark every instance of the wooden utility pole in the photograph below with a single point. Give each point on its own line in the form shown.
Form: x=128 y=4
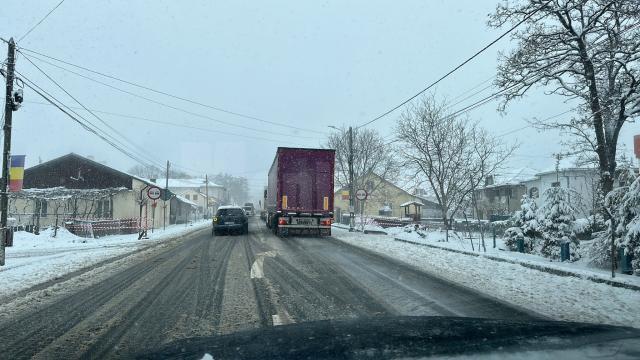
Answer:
x=206 y=193
x=351 y=187
x=6 y=153
x=164 y=200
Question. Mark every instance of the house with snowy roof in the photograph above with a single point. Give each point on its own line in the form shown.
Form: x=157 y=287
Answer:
x=73 y=189
x=385 y=199
x=200 y=191
x=501 y=195
x=581 y=181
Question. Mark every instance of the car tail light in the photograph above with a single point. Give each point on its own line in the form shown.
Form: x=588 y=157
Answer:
x=215 y=219
x=325 y=222
x=282 y=221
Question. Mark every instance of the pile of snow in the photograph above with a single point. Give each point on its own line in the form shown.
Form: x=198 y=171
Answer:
x=557 y=297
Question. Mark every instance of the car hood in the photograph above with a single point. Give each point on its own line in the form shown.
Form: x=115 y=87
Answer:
x=407 y=337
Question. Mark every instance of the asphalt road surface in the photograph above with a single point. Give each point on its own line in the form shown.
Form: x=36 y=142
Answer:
x=216 y=285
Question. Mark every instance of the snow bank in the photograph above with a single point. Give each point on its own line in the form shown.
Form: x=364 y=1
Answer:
x=34 y=259
x=557 y=297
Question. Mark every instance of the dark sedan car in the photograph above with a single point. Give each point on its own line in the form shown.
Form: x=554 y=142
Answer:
x=230 y=219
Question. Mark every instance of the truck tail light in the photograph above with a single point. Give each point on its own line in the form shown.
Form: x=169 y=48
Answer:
x=325 y=222
x=282 y=221
x=215 y=219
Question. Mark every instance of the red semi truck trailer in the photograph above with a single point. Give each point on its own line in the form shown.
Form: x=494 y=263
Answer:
x=299 y=195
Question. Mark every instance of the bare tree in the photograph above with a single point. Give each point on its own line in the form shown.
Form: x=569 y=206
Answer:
x=373 y=159
x=582 y=49
x=453 y=154
x=154 y=172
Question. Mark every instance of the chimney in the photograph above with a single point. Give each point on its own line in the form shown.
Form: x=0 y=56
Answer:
x=488 y=180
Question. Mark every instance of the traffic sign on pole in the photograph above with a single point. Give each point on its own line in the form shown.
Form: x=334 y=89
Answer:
x=361 y=194
x=154 y=193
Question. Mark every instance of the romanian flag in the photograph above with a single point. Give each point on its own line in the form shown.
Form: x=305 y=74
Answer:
x=16 y=172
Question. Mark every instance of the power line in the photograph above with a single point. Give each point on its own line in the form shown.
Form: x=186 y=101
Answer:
x=40 y=22
x=166 y=123
x=112 y=77
x=167 y=105
x=140 y=149
x=457 y=67
x=38 y=90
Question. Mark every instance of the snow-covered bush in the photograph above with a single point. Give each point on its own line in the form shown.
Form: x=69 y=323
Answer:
x=556 y=220
x=628 y=224
x=600 y=252
x=525 y=223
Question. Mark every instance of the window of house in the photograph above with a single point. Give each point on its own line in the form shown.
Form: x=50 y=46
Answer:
x=195 y=197
x=555 y=184
x=103 y=209
x=534 y=193
x=186 y=196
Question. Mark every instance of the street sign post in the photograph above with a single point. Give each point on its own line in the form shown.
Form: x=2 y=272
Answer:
x=154 y=193
x=361 y=194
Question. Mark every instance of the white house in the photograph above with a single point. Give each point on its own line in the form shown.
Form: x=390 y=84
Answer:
x=583 y=181
x=196 y=190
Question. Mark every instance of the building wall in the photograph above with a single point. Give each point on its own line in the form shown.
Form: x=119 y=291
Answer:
x=201 y=200
x=499 y=200
x=385 y=194
x=582 y=181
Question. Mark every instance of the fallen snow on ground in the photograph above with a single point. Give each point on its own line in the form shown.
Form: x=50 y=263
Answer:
x=557 y=297
x=35 y=259
x=459 y=242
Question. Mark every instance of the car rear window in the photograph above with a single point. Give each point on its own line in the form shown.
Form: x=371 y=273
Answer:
x=231 y=212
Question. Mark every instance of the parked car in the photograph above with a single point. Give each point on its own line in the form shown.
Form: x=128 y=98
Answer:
x=230 y=219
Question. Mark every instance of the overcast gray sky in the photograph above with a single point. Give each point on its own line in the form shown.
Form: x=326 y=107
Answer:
x=309 y=64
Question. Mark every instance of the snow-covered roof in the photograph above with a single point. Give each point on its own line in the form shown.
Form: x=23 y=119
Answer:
x=411 y=203
x=188 y=183
x=61 y=192
x=427 y=199
x=184 y=200
x=195 y=183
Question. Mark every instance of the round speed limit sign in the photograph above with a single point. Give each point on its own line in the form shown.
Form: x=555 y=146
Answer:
x=154 y=193
x=361 y=194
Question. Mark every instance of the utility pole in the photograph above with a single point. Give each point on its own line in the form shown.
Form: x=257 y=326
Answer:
x=351 y=190
x=558 y=156
x=164 y=201
x=206 y=193
x=8 y=113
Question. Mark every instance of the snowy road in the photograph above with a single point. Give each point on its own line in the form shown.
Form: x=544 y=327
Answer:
x=204 y=286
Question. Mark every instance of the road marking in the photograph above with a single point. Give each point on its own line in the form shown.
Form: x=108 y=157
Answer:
x=257 y=266
x=282 y=318
x=276 y=320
